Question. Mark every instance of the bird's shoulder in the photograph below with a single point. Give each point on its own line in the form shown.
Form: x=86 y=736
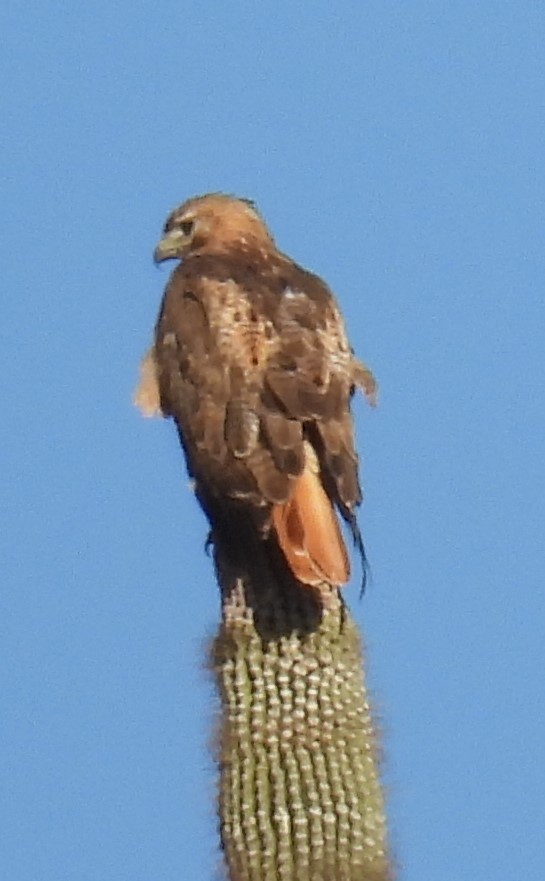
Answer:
x=270 y=277
x=264 y=309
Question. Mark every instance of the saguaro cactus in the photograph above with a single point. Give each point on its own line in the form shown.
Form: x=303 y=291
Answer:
x=299 y=791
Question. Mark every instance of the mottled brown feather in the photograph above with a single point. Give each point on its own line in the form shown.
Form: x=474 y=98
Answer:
x=253 y=364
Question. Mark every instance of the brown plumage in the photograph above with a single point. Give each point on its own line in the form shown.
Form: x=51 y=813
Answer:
x=252 y=362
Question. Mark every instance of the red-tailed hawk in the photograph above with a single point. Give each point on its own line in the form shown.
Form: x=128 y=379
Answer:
x=252 y=362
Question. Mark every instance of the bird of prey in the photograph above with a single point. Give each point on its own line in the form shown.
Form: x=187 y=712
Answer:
x=252 y=362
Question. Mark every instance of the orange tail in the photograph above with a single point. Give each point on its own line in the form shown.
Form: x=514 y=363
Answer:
x=308 y=531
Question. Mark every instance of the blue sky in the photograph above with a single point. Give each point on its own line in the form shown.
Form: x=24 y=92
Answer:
x=398 y=150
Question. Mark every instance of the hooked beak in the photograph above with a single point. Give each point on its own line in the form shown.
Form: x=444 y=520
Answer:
x=170 y=247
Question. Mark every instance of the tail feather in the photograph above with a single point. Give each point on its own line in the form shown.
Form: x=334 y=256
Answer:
x=308 y=531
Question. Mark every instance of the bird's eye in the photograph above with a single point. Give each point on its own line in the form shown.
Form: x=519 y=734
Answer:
x=187 y=227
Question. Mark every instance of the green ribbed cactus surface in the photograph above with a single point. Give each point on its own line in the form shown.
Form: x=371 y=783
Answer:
x=299 y=796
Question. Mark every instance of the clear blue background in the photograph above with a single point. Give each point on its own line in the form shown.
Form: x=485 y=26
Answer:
x=398 y=149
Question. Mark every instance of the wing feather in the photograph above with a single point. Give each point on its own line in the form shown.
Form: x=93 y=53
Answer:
x=252 y=366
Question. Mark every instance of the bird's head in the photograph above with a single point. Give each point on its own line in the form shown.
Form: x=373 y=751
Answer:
x=212 y=223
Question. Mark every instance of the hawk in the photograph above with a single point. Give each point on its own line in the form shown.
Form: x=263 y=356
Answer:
x=252 y=362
